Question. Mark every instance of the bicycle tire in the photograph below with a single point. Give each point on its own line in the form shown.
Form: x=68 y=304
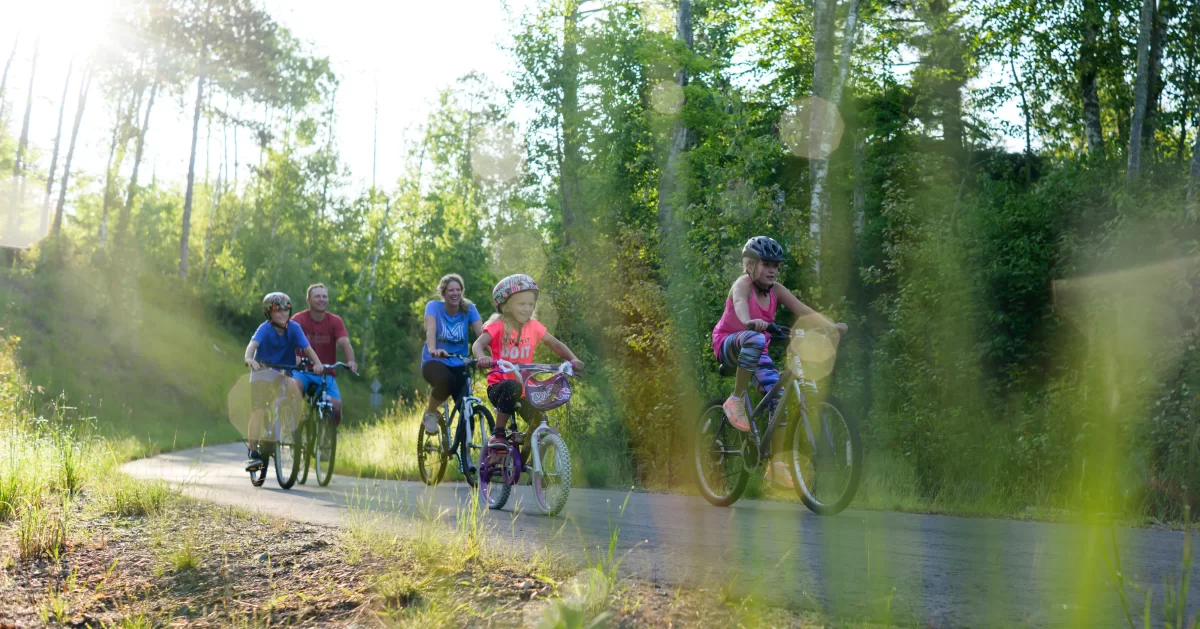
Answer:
x=259 y=476
x=324 y=449
x=431 y=454
x=706 y=442
x=850 y=443
x=552 y=499
x=306 y=445
x=287 y=463
x=469 y=453
x=493 y=493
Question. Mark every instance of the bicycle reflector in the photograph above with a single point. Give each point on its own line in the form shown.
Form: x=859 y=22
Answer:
x=547 y=394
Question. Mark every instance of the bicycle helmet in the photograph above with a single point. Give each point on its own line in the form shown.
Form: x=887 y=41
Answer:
x=512 y=285
x=276 y=301
x=763 y=248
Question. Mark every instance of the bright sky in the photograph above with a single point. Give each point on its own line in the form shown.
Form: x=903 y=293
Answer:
x=401 y=51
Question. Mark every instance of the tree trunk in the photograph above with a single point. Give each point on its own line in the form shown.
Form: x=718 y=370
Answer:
x=860 y=185
x=185 y=228
x=570 y=190
x=1193 y=192
x=19 y=165
x=1012 y=66
x=62 y=110
x=1087 y=79
x=669 y=187
x=823 y=118
x=131 y=194
x=387 y=210
x=1141 y=92
x=124 y=116
x=4 y=80
x=1155 y=83
x=84 y=87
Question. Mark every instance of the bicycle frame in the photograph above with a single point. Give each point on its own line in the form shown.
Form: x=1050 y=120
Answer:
x=791 y=379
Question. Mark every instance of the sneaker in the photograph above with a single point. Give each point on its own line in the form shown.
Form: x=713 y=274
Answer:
x=778 y=474
x=430 y=419
x=735 y=410
x=498 y=442
x=255 y=462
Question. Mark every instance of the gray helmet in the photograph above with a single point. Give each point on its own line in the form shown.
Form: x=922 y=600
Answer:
x=276 y=301
x=763 y=248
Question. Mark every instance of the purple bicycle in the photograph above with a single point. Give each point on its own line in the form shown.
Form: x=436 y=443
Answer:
x=542 y=452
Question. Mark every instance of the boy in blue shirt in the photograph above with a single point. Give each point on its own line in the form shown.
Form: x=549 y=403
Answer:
x=274 y=343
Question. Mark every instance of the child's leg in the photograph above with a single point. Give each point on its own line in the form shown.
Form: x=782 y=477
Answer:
x=255 y=428
x=504 y=396
x=743 y=349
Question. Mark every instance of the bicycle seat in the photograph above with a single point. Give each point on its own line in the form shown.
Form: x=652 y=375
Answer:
x=726 y=370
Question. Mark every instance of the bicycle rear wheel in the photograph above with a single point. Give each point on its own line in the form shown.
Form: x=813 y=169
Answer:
x=287 y=459
x=717 y=456
x=827 y=466
x=432 y=454
x=324 y=448
x=259 y=476
x=553 y=485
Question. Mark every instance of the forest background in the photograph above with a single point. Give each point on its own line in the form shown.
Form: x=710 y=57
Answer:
x=1023 y=321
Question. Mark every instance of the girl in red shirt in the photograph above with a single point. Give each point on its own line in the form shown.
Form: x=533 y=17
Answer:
x=512 y=334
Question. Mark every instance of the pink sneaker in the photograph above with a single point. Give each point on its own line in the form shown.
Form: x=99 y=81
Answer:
x=735 y=410
x=777 y=472
x=498 y=443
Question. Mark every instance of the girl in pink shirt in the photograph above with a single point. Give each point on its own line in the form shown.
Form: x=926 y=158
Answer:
x=738 y=337
x=512 y=334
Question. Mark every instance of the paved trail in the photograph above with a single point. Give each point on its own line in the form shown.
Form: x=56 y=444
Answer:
x=915 y=569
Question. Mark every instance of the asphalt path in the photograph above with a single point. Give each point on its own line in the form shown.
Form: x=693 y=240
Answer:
x=911 y=569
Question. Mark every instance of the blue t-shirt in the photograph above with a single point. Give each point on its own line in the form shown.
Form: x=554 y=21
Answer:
x=451 y=331
x=279 y=348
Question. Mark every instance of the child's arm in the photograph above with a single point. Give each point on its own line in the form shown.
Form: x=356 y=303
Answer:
x=740 y=294
x=813 y=319
x=251 y=348
x=479 y=346
x=317 y=367
x=562 y=351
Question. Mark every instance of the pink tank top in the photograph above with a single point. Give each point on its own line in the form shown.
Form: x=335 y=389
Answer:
x=729 y=323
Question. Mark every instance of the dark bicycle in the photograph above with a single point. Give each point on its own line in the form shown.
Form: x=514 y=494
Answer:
x=318 y=432
x=823 y=453
x=282 y=436
x=434 y=450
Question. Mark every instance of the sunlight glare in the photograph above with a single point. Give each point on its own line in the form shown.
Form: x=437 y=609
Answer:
x=66 y=28
x=802 y=137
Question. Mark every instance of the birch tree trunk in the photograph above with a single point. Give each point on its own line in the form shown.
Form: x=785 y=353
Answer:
x=84 y=87
x=670 y=188
x=131 y=194
x=62 y=110
x=570 y=191
x=1141 y=92
x=19 y=164
x=1087 y=79
x=823 y=118
x=1193 y=191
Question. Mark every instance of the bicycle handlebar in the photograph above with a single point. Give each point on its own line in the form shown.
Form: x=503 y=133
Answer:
x=508 y=367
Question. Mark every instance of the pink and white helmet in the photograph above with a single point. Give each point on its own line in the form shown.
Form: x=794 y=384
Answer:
x=512 y=285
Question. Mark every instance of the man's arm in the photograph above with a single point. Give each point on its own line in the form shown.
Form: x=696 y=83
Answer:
x=347 y=353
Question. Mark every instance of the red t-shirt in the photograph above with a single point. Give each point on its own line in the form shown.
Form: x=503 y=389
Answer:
x=519 y=350
x=322 y=336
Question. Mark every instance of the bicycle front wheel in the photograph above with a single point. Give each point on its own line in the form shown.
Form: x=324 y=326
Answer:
x=717 y=456
x=306 y=447
x=432 y=454
x=287 y=459
x=469 y=453
x=552 y=486
x=324 y=448
x=825 y=457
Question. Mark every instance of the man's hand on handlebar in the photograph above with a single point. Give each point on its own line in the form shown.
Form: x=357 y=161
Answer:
x=352 y=366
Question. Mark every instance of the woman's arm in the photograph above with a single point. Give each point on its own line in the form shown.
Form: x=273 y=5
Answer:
x=561 y=350
x=479 y=346
x=477 y=328
x=431 y=338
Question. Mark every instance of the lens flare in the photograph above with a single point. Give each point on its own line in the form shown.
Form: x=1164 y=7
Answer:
x=22 y=220
x=811 y=127
x=667 y=98
x=497 y=153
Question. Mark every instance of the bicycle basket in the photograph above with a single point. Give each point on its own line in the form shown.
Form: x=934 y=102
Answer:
x=550 y=393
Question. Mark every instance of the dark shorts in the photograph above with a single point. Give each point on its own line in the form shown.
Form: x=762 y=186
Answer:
x=506 y=396
x=446 y=381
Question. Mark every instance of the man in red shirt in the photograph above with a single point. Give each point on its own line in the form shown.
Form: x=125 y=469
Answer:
x=326 y=333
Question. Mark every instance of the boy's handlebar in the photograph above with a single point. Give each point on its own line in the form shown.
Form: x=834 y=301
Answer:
x=507 y=367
